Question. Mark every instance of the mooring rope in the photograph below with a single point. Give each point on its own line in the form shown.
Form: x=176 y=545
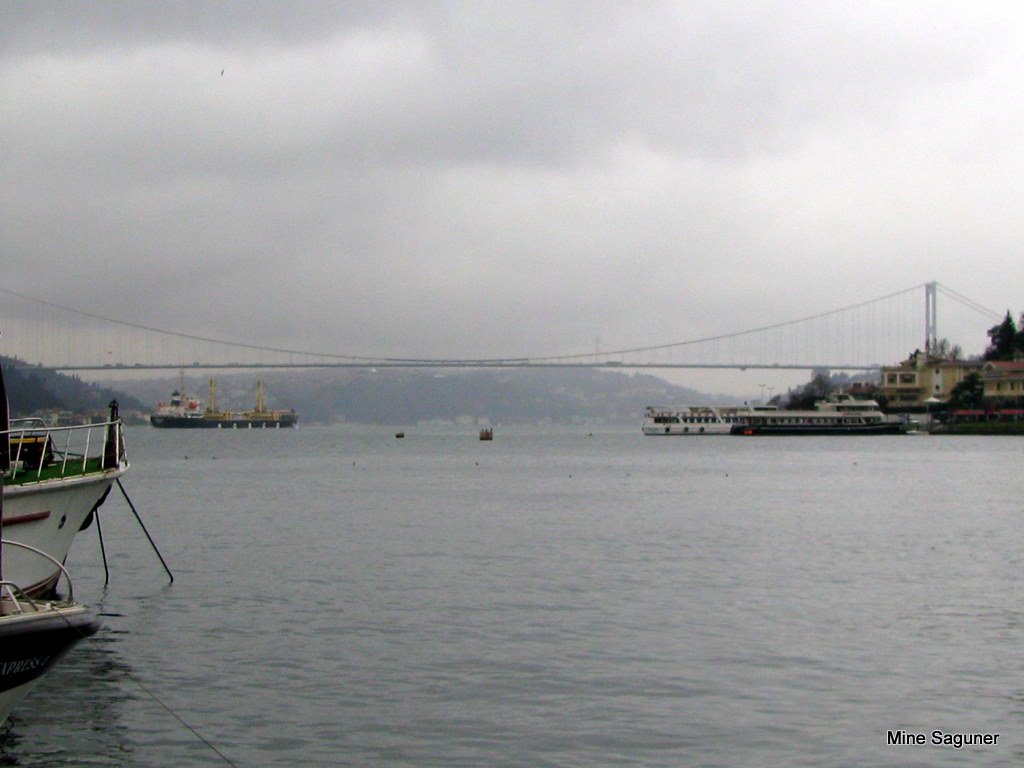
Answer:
x=170 y=710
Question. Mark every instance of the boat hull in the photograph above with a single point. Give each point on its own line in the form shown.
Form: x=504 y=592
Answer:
x=672 y=430
x=889 y=428
x=47 y=516
x=31 y=643
x=187 y=422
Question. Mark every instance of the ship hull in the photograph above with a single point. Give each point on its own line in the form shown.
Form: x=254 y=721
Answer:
x=188 y=422
x=672 y=430
x=779 y=429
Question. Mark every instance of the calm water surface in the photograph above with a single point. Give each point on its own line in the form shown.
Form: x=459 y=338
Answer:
x=552 y=598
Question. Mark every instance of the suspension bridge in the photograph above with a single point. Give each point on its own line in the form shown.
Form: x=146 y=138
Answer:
x=861 y=336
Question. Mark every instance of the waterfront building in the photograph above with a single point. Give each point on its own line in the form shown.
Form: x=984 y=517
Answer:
x=923 y=379
x=1003 y=382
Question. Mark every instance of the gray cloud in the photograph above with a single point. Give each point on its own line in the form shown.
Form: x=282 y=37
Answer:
x=466 y=178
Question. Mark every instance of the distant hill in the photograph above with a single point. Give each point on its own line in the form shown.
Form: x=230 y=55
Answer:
x=32 y=392
x=404 y=397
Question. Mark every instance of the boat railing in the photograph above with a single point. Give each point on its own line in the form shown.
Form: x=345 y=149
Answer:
x=39 y=451
x=32 y=422
x=10 y=590
x=11 y=598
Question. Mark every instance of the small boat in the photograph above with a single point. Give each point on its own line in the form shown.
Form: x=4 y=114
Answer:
x=836 y=415
x=187 y=412
x=35 y=634
x=487 y=434
x=399 y=435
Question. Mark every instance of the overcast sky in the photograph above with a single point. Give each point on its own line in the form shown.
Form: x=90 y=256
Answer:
x=509 y=178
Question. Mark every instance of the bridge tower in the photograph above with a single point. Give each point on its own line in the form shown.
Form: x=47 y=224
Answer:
x=931 y=314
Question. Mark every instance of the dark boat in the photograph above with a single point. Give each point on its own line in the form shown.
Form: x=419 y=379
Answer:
x=34 y=635
x=838 y=415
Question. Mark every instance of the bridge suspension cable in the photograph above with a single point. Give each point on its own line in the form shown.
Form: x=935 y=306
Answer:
x=969 y=303
x=738 y=334
x=177 y=334
x=862 y=335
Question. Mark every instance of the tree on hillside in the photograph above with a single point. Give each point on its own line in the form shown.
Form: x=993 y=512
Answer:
x=27 y=393
x=1006 y=341
x=31 y=391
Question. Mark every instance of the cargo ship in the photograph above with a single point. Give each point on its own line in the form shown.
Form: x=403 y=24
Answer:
x=187 y=412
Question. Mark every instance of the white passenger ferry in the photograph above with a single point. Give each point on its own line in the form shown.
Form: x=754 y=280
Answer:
x=698 y=419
